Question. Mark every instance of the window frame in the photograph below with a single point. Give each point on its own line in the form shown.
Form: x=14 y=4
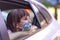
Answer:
x=3 y=29
x=45 y=13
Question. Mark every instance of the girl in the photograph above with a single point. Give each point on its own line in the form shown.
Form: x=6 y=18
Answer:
x=19 y=20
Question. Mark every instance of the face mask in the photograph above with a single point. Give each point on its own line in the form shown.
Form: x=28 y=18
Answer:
x=27 y=26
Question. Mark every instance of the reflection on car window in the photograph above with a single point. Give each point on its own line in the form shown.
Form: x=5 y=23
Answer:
x=43 y=22
x=40 y=16
x=45 y=14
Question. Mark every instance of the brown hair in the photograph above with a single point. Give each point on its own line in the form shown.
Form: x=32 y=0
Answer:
x=15 y=16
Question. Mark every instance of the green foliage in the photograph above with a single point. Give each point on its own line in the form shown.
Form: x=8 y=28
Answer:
x=47 y=4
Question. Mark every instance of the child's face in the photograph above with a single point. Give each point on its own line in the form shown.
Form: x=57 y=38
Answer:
x=23 y=20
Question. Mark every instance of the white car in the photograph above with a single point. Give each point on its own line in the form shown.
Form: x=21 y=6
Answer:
x=40 y=16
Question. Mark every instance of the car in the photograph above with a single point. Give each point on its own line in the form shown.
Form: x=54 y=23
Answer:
x=47 y=25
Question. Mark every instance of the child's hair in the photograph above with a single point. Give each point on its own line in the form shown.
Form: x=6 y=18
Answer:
x=15 y=16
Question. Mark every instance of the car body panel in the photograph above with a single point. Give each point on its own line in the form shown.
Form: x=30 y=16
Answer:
x=47 y=33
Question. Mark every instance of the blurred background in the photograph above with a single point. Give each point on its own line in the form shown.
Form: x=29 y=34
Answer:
x=53 y=7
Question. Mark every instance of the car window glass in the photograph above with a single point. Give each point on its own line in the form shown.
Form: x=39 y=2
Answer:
x=45 y=13
x=43 y=22
x=40 y=17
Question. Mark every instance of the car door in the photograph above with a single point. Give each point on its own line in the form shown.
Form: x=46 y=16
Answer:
x=42 y=18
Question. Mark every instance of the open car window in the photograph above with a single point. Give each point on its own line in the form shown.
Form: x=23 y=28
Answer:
x=20 y=34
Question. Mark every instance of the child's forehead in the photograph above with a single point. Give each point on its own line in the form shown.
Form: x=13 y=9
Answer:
x=26 y=16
